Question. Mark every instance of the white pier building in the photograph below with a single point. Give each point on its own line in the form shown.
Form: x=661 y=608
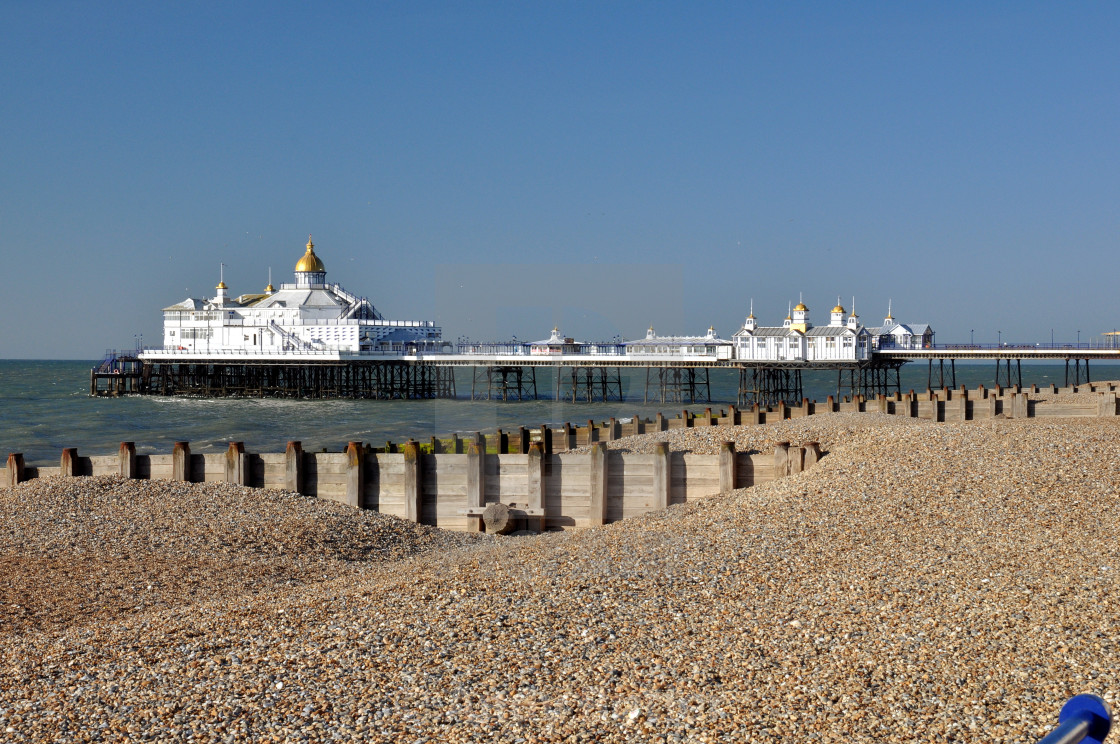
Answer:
x=307 y=318
x=798 y=340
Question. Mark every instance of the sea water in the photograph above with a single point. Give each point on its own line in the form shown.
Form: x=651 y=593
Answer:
x=45 y=406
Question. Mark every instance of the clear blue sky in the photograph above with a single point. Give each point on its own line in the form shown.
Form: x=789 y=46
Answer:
x=501 y=167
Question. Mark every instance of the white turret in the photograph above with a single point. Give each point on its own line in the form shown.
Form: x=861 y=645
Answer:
x=800 y=318
x=838 y=314
x=853 y=319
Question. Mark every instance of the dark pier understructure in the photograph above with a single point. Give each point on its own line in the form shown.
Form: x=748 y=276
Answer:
x=378 y=380
x=764 y=383
x=770 y=383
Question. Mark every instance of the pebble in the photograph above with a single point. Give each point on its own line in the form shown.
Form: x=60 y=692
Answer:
x=923 y=582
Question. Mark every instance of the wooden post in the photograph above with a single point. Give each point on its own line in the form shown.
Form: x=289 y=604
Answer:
x=935 y=408
x=726 y=467
x=660 y=423
x=754 y=416
x=781 y=413
x=15 y=470
x=546 y=439
x=413 y=492
x=592 y=433
x=293 y=467
x=781 y=459
x=733 y=415
x=962 y=399
x=707 y=417
x=456 y=444
x=356 y=474
x=1107 y=405
x=570 y=440
x=687 y=417
x=536 y=493
x=830 y=403
x=812 y=454
x=796 y=460
x=612 y=429
x=992 y=406
x=69 y=464
x=476 y=481
x=882 y=399
x=126 y=455
x=235 y=463
x=662 y=476
x=181 y=462
x=522 y=440
x=636 y=422
x=436 y=445
x=503 y=442
x=597 y=508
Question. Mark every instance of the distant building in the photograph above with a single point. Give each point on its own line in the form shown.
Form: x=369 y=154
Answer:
x=798 y=340
x=308 y=316
x=904 y=336
x=692 y=348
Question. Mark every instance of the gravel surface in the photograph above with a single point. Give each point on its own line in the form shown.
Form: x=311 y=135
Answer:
x=924 y=582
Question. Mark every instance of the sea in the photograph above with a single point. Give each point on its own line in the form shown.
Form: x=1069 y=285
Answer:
x=45 y=407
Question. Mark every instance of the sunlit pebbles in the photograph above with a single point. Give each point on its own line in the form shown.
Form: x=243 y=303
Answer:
x=924 y=582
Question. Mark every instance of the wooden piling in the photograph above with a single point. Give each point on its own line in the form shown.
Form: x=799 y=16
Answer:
x=293 y=467
x=181 y=462
x=413 y=477
x=597 y=507
x=126 y=456
x=235 y=463
x=68 y=467
x=356 y=473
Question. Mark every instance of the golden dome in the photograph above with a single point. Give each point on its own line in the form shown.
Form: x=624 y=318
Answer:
x=800 y=307
x=838 y=309
x=310 y=262
x=270 y=289
x=221 y=285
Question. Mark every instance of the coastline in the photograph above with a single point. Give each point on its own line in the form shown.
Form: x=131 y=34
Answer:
x=924 y=580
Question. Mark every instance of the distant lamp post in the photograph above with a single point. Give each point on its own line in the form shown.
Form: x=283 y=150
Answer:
x=971 y=336
x=1079 y=338
x=1051 y=337
x=999 y=339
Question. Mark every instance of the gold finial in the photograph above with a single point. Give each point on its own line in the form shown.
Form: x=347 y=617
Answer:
x=310 y=262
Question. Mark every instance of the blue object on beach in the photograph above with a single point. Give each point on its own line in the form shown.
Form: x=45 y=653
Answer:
x=1084 y=719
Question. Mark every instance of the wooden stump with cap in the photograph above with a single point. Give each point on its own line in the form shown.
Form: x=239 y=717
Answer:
x=497 y=519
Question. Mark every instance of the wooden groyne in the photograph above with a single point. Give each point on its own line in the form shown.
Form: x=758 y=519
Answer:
x=540 y=483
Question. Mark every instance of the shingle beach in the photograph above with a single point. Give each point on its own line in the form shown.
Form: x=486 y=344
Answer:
x=923 y=582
